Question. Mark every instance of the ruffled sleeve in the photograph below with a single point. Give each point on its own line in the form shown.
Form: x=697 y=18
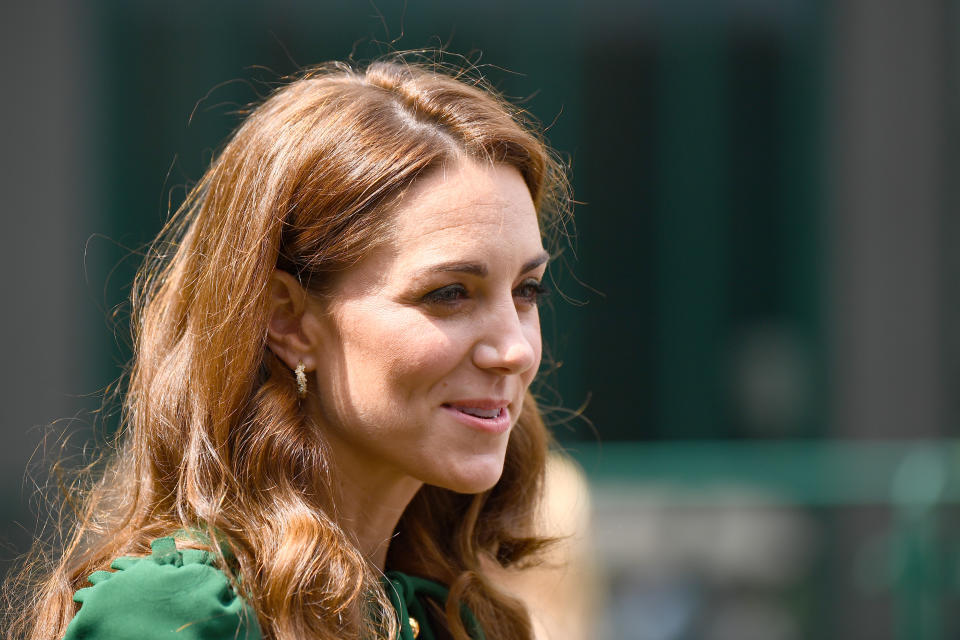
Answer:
x=173 y=594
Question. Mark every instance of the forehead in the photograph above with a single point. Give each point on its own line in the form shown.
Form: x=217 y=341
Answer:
x=466 y=206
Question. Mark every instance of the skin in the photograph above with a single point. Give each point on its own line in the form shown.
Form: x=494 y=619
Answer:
x=402 y=342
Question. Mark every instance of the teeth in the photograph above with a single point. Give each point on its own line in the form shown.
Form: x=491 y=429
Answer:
x=480 y=413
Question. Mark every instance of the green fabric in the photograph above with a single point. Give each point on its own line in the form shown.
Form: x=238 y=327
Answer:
x=407 y=594
x=170 y=591
x=181 y=591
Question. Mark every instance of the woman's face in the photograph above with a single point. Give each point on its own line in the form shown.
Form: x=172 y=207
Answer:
x=428 y=345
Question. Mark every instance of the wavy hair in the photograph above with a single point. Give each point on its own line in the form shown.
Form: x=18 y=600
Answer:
x=213 y=435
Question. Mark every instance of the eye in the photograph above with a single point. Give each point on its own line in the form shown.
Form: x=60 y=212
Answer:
x=531 y=291
x=448 y=295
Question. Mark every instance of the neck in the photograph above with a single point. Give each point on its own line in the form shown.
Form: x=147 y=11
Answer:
x=370 y=503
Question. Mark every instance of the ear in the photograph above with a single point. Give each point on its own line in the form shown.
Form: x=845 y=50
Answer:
x=287 y=336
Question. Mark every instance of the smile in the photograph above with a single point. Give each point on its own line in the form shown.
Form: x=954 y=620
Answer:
x=480 y=413
x=492 y=420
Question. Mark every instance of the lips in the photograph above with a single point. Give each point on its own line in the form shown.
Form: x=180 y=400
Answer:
x=484 y=405
x=486 y=414
x=480 y=413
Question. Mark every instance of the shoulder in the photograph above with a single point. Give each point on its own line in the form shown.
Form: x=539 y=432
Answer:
x=170 y=591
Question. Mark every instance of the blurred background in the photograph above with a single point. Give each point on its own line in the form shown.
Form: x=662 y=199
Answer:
x=756 y=313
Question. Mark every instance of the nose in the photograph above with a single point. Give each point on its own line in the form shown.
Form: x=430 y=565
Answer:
x=508 y=345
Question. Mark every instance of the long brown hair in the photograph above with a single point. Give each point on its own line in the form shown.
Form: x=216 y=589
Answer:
x=213 y=435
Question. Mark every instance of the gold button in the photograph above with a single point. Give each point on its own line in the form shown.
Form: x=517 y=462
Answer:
x=414 y=626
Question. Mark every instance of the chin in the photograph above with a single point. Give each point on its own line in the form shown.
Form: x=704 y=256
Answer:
x=473 y=478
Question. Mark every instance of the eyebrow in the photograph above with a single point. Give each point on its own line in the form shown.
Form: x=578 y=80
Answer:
x=480 y=269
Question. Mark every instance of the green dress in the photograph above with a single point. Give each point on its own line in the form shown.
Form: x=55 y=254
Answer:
x=182 y=592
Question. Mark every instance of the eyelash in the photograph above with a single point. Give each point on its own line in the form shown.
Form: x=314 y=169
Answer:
x=453 y=293
x=537 y=290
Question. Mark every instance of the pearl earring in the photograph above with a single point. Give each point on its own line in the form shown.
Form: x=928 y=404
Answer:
x=301 y=375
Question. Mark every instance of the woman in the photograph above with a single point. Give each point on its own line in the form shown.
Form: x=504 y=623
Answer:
x=328 y=431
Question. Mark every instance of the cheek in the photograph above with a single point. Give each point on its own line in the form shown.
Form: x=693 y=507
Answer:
x=398 y=350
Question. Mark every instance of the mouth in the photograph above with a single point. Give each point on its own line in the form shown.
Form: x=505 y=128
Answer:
x=487 y=414
x=492 y=416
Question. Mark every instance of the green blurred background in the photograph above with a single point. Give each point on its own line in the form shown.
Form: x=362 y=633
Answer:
x=756 y=312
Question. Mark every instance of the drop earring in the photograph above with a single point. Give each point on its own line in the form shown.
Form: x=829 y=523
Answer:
x=300 y=373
